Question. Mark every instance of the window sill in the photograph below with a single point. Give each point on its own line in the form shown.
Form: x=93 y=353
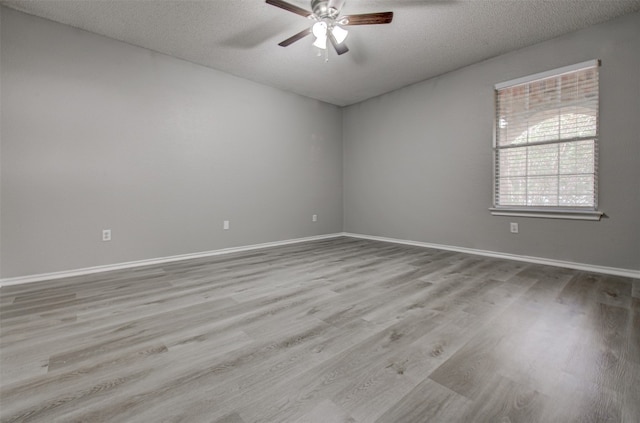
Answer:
x=549 y=214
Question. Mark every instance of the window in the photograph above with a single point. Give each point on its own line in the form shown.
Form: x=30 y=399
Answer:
x=546 y=144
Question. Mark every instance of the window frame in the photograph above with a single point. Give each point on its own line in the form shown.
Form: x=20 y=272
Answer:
x=553 y=212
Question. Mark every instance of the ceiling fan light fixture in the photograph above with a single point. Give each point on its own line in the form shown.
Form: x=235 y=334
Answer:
x=319 y=29
x=339 y=33
x=320 y=32
x=321 y=42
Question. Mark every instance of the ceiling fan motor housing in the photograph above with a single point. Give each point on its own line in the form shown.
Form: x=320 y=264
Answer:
x=326 y=8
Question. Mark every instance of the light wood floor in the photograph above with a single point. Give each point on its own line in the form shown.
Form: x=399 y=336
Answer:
x=341 y=330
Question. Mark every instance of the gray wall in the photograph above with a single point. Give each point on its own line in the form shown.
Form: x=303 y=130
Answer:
x=100 y=134
x=418 y=161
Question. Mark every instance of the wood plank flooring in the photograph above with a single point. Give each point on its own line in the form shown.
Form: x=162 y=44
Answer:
x=340 y=330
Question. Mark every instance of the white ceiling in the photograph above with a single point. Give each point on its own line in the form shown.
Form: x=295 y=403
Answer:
x=240 y=37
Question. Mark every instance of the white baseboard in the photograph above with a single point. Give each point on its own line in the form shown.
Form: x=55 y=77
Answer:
x=539 y=260
x=131 y=264
x=98 y=269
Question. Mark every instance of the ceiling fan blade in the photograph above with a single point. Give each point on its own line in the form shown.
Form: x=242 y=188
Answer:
x=367 y=19
x=290 y=7
x=340 y=48
x=296 y=37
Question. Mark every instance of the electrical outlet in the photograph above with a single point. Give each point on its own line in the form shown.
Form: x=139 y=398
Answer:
x=106 y=234
x=513 y=227
x=314 y=218
x=225 y=225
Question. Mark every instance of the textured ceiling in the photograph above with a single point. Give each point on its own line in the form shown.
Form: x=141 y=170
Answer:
x=240 y=37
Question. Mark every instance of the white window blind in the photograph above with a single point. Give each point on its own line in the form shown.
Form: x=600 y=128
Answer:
x=546 y=141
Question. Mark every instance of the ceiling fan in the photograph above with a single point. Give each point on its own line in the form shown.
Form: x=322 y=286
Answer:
x=328 y=22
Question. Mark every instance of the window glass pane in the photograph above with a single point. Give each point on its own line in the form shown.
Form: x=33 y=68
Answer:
x=587 y=84
x=542 y=160
x=541 y=94
x=577 y=123
x=517 y=130
x=569 y=87
x=544 y=126
x=513 y=191
x=512 y=113
x=542 y=191
x=576 y=191
x=577 y=157
x=513 y=162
